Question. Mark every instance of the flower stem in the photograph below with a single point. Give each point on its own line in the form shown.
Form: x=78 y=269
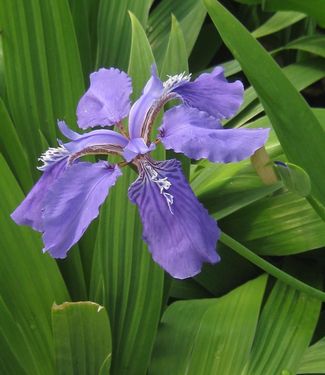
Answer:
x=270 y=268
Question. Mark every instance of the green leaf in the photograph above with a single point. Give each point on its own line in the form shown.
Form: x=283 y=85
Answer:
x=42 y=68
x=190 y=15
x=26 y=74
x=284 y=330
x=279 y=21
x=63 y=59
x=30 y=283
x=13 y=150
x=313 y=360
x=314 y=8
x=114 y=30
x=141 y=57
x=313 y=44
x=288 y=112
x=84 y=14
x=124 y=277
x=210 y=336
x=82 y=338
x=282 y=224
x=2 y=78
x=175 y=60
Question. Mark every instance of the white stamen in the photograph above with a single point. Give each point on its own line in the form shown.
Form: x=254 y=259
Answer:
x=163 y=184
x=52 y=155
x=176 y=80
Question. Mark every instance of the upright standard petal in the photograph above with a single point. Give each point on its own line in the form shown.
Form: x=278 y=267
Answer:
x=177 y=228
x=212 y=93
x=107 y=100
x=151 y=93
x=198 y=135
x=29 y=212
x=73 y=202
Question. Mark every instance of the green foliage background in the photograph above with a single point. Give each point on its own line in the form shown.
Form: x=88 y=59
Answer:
x=258 y=312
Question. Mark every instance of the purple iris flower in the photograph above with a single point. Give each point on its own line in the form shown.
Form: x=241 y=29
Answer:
x=177 y=228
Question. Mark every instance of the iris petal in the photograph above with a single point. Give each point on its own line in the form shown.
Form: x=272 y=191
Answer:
x=177 y=228
x=135 y=147
x=212 y=93
x=73 y=202
x=96 y=137
x=198 y=135
x=29 y=212
x=151 y=93
x=107 y=100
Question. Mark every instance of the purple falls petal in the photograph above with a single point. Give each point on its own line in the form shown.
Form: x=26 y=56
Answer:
x=151 y=92
x=29 y=212
x=212 y=93
x=73 y=202
x=177 y=228
x=191 y=132
x=136 y=147
x=107 y=100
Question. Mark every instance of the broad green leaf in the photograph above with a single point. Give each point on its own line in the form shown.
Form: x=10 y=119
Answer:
x=282 y=224
x=314 y=44
x=141 y=57
x=284 y=330
x=124 y=277
x=2 y=78
x=209 y=336
x=30 y=283
x=63 y=59
x=114 y=30
x=13 y=150
x=314 y=8
x=279 y=21
x=26 y=73
x=43 y=71
x=82 y=338
x=313 y=360
x=42 y=68
x=175 y=60
x=84 y=14
x=287 y=110
x=190 y=15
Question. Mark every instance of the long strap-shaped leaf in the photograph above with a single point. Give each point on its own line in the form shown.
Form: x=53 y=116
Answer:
x=30 y=283
x=82 y=338
x=209 y=336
